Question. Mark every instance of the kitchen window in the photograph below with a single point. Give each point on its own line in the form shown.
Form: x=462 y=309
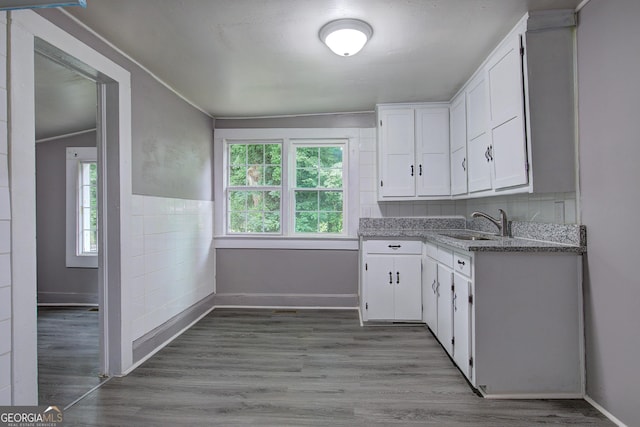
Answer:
x=286 y=188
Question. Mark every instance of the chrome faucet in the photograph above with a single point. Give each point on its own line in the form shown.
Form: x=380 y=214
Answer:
x=501 y=223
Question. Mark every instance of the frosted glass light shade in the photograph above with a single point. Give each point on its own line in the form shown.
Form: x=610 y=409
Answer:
x=346 y=37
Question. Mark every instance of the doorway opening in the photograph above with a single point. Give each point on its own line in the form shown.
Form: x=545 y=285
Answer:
x=67 y=216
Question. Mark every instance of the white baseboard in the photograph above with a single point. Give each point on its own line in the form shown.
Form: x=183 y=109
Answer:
x=283 y=307
x=532 y=396
x=67 y=304
x=604 y=412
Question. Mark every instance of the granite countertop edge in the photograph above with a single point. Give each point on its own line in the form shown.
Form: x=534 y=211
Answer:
x=496 y=244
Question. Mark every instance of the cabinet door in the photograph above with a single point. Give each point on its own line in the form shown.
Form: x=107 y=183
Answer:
x=379 y=287
x=462 y=323
x=479 y=169
x=458 y=133
x=432 y=151
x=478 y=141
x=398 y=171
x=408 y=288
x=506 y=115
x=430 y=294
x=445 y=307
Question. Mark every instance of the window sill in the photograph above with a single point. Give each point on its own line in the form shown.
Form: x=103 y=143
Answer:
x=253 y=242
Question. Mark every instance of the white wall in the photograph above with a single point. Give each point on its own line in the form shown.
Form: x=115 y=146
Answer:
x=609 y=123
x=5 y=230
x=552 y=207
x=172 y=242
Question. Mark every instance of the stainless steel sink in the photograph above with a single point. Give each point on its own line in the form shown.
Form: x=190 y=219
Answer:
x=468 y=237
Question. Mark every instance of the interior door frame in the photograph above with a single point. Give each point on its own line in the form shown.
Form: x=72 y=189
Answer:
x=29 y=32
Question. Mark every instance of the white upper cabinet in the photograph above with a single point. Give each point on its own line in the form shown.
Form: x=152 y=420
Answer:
x=432 y=148
x=413 y=146
x=478 y=141
x=510 y=129
x=508 y=149
x=397 y=152
x=458 y=142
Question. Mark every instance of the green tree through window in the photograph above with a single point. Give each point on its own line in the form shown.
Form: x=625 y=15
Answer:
x=254 y=188
x=318 y=194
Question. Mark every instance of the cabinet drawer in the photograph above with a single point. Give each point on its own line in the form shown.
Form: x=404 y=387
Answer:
x=445 y=256
x=432 y=250
x=462 y=264
x=393 y=247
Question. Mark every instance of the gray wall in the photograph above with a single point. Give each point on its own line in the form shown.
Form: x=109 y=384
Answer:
x=172 y=148
x=57 y=283
x=275 y=277
x=608 y=93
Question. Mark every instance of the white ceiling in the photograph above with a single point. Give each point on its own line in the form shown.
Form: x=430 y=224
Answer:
x=66 y=102
x=247 y=58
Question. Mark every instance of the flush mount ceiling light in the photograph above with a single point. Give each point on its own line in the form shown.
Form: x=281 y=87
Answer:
x=345 y=37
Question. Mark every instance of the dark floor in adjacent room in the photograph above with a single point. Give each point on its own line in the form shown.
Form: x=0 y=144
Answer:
x=68 y=353
x=307 y=367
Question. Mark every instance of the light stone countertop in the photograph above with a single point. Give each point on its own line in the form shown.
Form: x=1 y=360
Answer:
x=368 y=230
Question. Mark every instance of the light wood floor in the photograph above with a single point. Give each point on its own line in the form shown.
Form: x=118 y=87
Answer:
x=307 y=368
x=68 y=354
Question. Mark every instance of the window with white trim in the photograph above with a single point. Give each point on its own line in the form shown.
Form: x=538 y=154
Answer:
x=82 y=207
x=318 y=195
x=293 y=188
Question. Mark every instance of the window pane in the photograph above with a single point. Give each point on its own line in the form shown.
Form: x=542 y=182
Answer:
x=272 y=222
x=254 y=175
x=272 y=175
x=255 y=154
x=255 y=201
x=330 y=222
x=237 y=200
x=93 y=174
x=331 y=157
x=272 y=201
x=307 y=178
x=330 y=178
x=306 y=157
x=306 y=222
x=306 y=201
x=238 y=175
x=272 y=154
x=331 y=201
x=237 y=154
x=237 y=222
x=254 y=222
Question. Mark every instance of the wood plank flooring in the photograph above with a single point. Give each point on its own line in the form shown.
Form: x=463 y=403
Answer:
x=307 y=368
x=68 y=353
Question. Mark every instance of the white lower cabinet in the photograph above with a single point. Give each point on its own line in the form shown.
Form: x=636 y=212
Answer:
x=391 y=287
x=510 y=321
